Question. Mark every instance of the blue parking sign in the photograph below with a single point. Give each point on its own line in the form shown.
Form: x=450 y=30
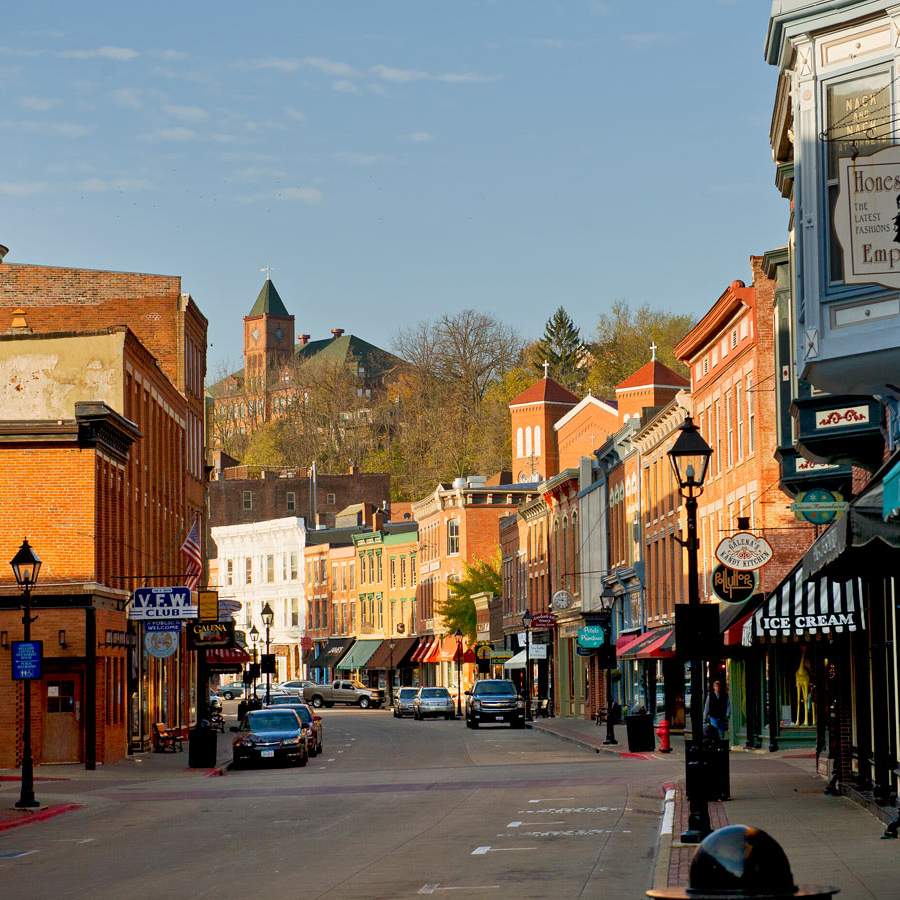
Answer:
x=26 y=659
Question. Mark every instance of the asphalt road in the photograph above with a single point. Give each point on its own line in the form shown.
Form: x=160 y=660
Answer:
x=391 y=809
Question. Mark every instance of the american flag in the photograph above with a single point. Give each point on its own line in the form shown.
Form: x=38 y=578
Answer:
x=194 y=561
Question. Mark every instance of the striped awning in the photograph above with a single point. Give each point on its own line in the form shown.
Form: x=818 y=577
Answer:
x=807 y=609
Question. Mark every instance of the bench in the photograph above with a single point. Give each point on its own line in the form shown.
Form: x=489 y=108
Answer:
x=165 y=739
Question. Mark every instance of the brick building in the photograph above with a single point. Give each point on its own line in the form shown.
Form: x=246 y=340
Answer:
x=136 y=344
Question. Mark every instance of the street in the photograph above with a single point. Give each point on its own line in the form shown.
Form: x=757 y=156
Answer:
x=392 y=808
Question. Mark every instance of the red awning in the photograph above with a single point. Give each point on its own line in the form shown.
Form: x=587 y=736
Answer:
x=448 y=649
x=734 y=632
x=433 y=653
x=469 y=656
x=232 y=656
x=659 y=645
x=626 y=642
x=421 y=650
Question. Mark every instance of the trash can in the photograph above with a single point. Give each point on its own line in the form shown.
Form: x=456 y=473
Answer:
x=639 y=728
x=718 y=769
x=202 y=747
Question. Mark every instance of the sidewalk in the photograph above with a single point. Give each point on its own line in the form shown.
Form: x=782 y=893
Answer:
x=591 y=736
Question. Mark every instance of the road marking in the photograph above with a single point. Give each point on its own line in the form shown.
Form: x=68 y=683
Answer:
x=519 y=824
x=562 y=810
x=331 y=759
x=571 y=832
x=668 y=820
x=72 y=840
x=551 y=799
x=437 y=886
x=483 y=851
x=15 y=854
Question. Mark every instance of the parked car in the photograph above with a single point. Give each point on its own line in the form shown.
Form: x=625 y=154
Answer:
x=433 y=701
x=311 y=720
x=403 y=702
x=350 y=693
x=494 y=700
x=293 y=687
x=233 y=690
x=271 y=735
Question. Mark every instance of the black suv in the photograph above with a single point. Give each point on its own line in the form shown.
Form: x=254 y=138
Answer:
x=494 y=700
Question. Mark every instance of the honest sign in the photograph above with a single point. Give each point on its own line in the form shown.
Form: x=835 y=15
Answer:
x=151 y=603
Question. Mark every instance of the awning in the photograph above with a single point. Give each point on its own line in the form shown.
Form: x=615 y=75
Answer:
x=733 y=616
x=309 y=656
x=332 y=652
x=422 y=649
x=231 y=659
x=358 y=656
x=806 y=609
x=448 y=648
x=628 y=645
x=383 y=657
x=516 y=662
x=433 y=653
x=659 y=645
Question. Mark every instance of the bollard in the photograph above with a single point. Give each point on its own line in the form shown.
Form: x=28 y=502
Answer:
x=738 y=862
x=662 y=732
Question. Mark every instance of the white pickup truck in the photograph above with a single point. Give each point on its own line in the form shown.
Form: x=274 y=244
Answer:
x=350 y=693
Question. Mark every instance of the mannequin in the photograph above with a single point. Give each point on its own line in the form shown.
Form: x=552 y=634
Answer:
x=802 y=679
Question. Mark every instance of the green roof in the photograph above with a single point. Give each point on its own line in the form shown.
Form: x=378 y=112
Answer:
x=268 y=303
x=349 y=347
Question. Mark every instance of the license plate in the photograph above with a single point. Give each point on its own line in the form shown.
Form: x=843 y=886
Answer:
x=498 y=718
x=267 y=754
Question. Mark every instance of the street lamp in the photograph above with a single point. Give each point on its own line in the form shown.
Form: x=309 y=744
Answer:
x=526 y=622
x=459 y=656
x=254 y=640
x=268 y=617
x=690 y=456
x=391 y=645
x=25 y=565
x=607 y=602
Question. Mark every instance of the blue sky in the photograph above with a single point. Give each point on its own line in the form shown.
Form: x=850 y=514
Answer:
x=393 y=159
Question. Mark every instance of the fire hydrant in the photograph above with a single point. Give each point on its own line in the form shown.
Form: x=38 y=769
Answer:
x=662 y=732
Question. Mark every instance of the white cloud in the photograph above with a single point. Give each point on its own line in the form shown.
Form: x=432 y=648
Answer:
x=49 y=129
x=308 y=195
x=119 y=54
x=404 y=76
x=297 y=115
x=22 y=188
x=465 y=78
x=130 y=97
x=177 y=133
x=186 y=113
x=100 y=185
x=330 y=67
x=345 y=87
x=39 y=104
x=418 y=137
x=170 y=54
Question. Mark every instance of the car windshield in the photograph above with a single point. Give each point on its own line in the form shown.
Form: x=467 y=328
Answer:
x=408 y=693
x=435 y=692
x=272 y=721
x=495 y=687
x=359 y=685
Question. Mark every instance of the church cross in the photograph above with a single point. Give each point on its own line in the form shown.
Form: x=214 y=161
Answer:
x=653 y=349
x=268 y=270
x=546 y=369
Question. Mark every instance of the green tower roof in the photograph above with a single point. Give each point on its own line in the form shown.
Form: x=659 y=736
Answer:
x=268 y=303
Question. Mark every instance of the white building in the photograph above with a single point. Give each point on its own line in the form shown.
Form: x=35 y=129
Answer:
x=259 y=563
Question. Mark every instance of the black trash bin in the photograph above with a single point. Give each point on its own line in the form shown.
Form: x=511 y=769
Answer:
x=639 y=728
x=202 y=746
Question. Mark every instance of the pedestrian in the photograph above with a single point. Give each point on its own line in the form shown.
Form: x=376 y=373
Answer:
x=717 y=710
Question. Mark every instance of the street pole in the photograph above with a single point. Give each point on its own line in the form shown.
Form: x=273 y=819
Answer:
x=607 y=601
x=268 y=669
x=526 y=621
x=26 y=795
x=391 y=674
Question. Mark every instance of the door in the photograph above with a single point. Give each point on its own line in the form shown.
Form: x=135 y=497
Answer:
x=62 y=720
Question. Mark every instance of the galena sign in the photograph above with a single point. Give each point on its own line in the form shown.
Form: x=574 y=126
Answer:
x=867 y=218
x=154 y=603
x=744 y=551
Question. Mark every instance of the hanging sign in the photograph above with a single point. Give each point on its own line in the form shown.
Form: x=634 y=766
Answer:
x=149 y=603
x=543 y=620
x=26 y=660
x=161 y=638
x=591 y=636
x=538 y=651
x=867 y=222
x=203 y=635
x=818 y=506
x=744 y=551
x=733 y=585
x=208 y=606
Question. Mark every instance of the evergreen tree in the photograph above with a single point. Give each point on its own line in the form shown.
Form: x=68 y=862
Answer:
x=562 y=347
x=480 y=576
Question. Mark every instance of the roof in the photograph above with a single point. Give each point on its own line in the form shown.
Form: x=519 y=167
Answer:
x=608 y=406
x=545 y=391
x=653 y=374
x=350 y=347
x=268 y=302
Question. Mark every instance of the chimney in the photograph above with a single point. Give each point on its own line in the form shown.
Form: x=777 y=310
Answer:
x=378 y=520
x=337 y=332
x=3 y=252
x=303 y=340
x=19 y=324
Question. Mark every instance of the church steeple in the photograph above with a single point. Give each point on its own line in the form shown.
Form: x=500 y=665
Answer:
x=268 y=334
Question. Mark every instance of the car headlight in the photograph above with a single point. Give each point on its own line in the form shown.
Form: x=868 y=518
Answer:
x=476 y=704
x=291 y=742
x=245 y=742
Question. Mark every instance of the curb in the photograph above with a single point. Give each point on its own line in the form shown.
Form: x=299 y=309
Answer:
x=40 y=816
x=664 y=842
x=572 y=739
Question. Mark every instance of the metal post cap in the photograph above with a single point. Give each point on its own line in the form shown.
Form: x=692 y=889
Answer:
x=738 y=862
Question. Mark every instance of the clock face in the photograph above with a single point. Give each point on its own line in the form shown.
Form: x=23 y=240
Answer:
x=279 y=333
x=255 y=335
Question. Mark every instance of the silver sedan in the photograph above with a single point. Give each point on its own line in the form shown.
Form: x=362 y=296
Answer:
x=433 y=701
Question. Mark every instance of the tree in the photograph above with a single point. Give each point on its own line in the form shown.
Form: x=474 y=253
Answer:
x=265 y=447
x=561 y=347
x=483 y=576
x=623 y=343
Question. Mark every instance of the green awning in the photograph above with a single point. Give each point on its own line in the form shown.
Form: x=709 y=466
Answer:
x=359 y=655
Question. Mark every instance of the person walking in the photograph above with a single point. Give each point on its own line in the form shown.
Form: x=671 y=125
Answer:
x=717 y=709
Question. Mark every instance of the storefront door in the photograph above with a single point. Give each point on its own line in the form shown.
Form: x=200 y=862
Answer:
x=62 y=719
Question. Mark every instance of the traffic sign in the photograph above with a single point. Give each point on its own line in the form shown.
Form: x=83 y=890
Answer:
x=732 y=585
x=744 y=551
x=26 y=660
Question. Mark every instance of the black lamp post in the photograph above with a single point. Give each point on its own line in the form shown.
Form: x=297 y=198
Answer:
x=25 y=565
x=526 y=622
x=459 y=656
x=268 y=617
x=607 y=602
x=254 y=640
x=690 y=456
x=391 y=646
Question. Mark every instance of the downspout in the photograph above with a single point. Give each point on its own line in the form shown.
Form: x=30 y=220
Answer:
x=89 y=701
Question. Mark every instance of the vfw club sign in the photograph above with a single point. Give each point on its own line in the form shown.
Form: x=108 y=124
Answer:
x=867 y=218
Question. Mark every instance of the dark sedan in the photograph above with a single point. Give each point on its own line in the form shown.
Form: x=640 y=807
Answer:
x=271 y=735
x=311 y=720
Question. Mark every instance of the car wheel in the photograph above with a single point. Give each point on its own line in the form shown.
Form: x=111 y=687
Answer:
x=304 y=759
x=396 y=714
x=319 y=749
x=313 y=751
x=474 y=723
x=364 y=703
x=228 y=695
x=317 y=702
x=448 y=717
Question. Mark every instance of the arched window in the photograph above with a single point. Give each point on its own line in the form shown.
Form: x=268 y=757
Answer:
x=520 y=443
x=528 y=441
x=537 y=440
x=566 y=576
x=556 y=562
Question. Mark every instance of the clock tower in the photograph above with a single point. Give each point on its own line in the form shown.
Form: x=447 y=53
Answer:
x=268 y=336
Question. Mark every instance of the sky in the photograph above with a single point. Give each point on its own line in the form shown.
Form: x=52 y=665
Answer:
x=393 y=160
